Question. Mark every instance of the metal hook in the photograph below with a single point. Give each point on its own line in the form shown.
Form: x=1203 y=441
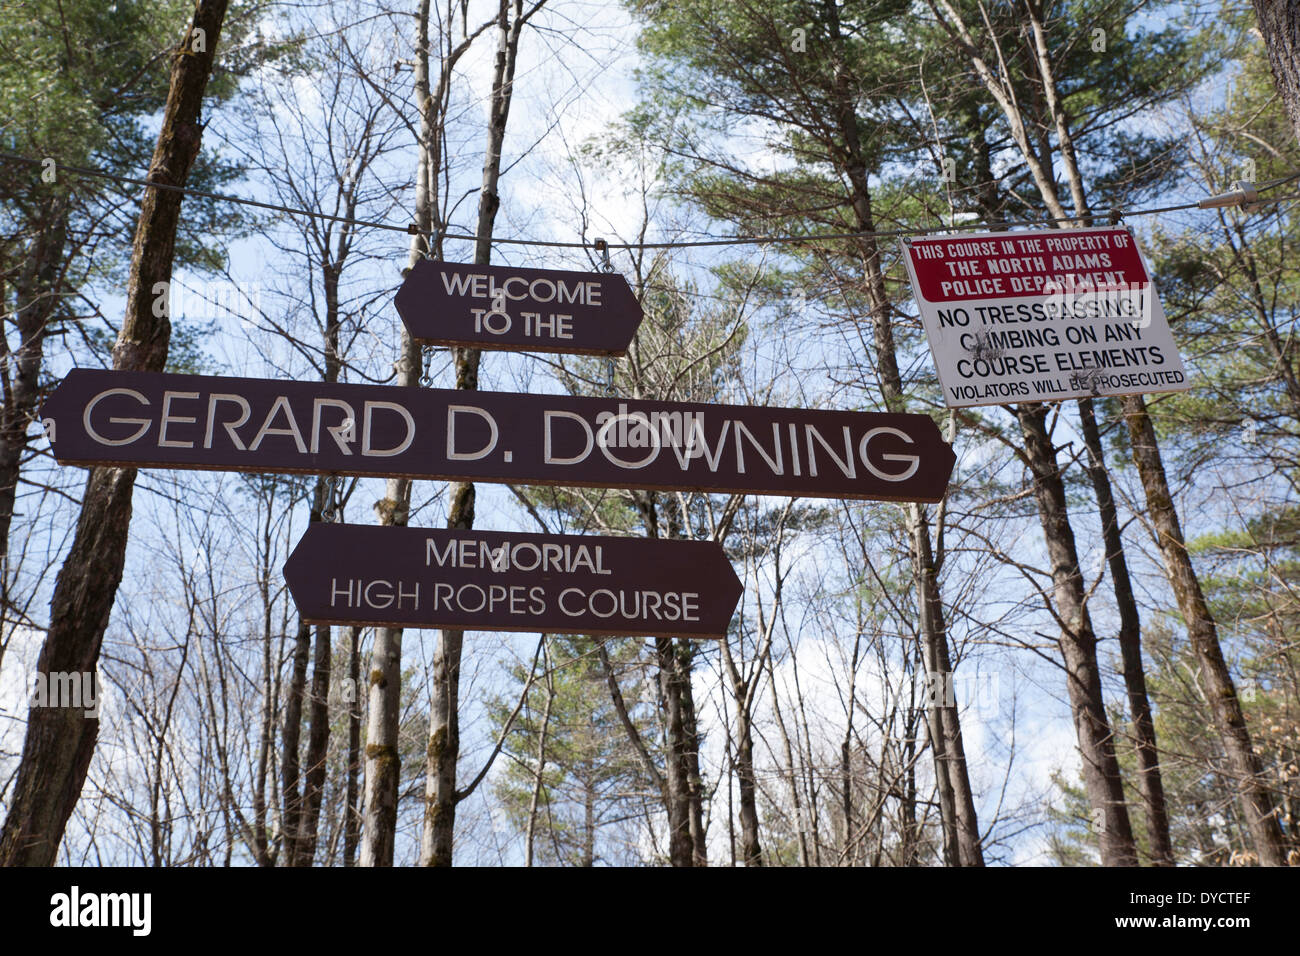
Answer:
x=602 y=246
x=434 y=237
x=331 y=512
x=426 y=361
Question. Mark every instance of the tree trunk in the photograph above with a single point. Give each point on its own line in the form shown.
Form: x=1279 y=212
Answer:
x=1078 y=641
x=943 y=718
x=957 y=807
x=1202 y=632
x=351 y=811
x=681 y=790
x=61 y=741
x=384 y=685
x=1130 y=646
x=270 y=698
x=383 y=760
x=1078 y=646
x=302 y=807
x=911 y=831
x=317 y=745
x=326 y=508
x=589 y=826
x=1279 y=24
x=751 y=850
x=952 y=779
x=1150 y=784
x=1256 y=800
x=290 y=741
x=36 y=291
x=539 y=775
x=683 y=657
x=787 y=750
x=681 y=846
x=444 y=717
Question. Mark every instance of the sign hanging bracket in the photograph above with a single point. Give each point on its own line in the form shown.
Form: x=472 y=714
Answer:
x=332 y=509
x=602 y=246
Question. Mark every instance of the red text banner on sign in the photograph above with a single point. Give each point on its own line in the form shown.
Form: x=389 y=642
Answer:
x=955 y=269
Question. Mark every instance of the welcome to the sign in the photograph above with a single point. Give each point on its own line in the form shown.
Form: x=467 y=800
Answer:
x=506 y=307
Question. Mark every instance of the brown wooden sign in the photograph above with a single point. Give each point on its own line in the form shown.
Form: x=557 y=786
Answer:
x=162 y=420
x=496 y=581
x=531 y=310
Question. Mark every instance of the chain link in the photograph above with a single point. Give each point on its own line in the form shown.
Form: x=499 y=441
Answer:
x=332 y=511
x=426 y=363
x=426 y=352
x=602 y=246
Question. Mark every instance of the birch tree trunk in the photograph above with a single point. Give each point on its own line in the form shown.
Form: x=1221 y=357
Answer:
x=351 y=809
x=443 y=748
x=60 y=741
x=384 y=682
x=383 y=762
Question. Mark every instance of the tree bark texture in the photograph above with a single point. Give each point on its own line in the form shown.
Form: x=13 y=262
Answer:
x=1150 y=784
x=1101 y=773
x=1279 y=24
x=351 y=808
x=60 y=741
x=1202 y=632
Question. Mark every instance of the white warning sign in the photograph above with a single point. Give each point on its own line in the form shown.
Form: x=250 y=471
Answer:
x=1041 y=316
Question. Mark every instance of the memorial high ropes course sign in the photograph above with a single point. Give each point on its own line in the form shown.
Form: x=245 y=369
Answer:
x=492 y=580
